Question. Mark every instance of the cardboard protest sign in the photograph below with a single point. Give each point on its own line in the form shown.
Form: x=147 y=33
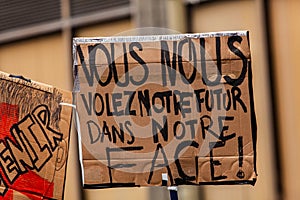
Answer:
x=34 y=139
x=166 y=109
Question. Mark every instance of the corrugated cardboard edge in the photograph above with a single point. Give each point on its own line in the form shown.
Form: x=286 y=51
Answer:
x=33 y=84
x=68 y=147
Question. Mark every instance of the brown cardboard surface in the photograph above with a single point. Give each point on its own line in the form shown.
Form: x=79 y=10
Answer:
x=34 y=131
x=179 y=106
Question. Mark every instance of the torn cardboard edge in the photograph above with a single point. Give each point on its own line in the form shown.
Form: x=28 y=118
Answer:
x=25 y=81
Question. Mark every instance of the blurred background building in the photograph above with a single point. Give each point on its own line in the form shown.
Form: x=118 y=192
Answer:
x=36 y=41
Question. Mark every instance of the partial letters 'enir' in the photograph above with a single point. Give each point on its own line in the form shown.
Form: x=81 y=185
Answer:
x=34 y=138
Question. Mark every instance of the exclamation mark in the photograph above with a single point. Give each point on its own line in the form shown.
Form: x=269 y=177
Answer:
x=240 y=173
